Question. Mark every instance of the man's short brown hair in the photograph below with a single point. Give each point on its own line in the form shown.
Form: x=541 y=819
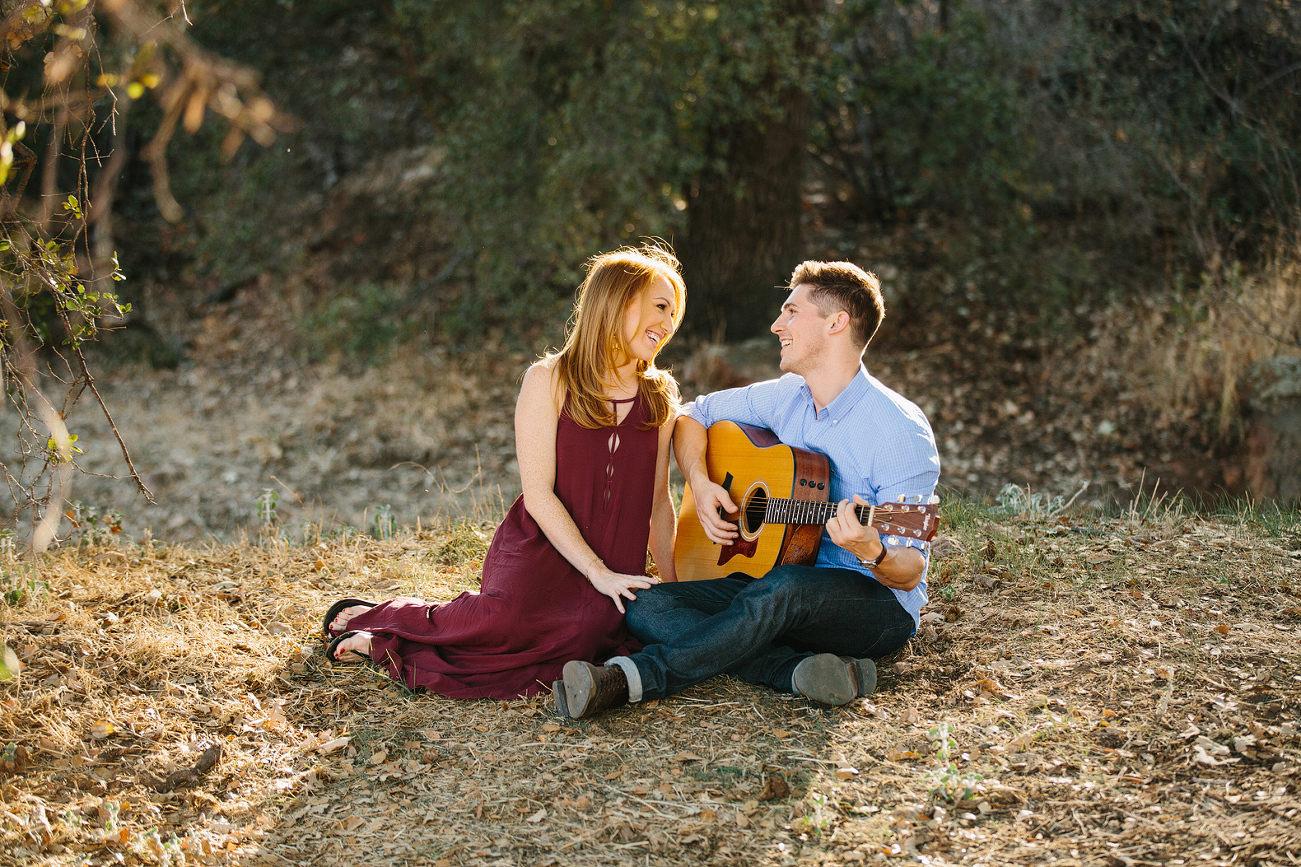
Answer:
x=844 y=286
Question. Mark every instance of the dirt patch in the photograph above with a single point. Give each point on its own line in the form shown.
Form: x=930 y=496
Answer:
x=1085 y=690
x=430 y=433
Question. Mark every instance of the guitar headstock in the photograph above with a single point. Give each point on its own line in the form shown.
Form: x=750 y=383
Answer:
x=912 y=517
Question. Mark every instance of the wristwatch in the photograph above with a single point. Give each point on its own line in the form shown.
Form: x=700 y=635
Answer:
x=872 y=564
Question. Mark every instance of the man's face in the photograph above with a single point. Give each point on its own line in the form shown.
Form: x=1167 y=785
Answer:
x=802 y=330
x=648 y=321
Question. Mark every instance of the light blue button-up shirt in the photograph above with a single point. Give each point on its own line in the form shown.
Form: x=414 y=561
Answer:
x=879 y=443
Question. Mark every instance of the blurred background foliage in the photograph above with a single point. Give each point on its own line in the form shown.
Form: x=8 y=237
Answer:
x=1046 y=151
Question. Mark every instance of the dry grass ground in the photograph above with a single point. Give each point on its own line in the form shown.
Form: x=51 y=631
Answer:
x=1093 y=690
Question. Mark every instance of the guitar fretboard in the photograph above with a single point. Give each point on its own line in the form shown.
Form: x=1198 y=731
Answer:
x=787 y=511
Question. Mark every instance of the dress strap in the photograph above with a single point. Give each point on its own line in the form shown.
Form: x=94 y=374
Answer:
x=623 y=399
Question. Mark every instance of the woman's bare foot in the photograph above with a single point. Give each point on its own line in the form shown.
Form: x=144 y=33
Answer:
x=354 y=648
x=340 y=622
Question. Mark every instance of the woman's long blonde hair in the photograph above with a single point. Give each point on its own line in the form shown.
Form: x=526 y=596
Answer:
x=595 y=344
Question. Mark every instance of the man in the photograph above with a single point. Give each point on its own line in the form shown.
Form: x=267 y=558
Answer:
x=810 y=630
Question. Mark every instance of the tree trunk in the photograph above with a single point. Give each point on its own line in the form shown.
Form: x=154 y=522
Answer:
x=743 y=225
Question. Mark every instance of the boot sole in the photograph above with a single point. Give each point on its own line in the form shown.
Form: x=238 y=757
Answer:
x=558 y=696
x=825 y=679
x=864 y=672
x=579 y=684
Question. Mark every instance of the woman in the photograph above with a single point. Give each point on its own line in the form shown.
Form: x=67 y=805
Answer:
x=593 y=426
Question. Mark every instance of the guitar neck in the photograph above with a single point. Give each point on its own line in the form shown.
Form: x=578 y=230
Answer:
x=916 y=521
x=779 y=511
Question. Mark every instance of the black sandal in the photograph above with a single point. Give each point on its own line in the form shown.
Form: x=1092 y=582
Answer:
x=334 y=645
x=334 y=610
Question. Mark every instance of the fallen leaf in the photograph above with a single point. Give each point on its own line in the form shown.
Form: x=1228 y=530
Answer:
x=687 y=757
x=780 y=733
x=102 y=729
x=1223 y=629
x=1201 y=756
x=538 y=816
x=773 y=788
x=846 y=773
x=330 y=746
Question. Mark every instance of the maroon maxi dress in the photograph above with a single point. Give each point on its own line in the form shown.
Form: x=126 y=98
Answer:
x=534 y=611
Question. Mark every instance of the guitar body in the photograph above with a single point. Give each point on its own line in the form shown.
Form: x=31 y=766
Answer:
x=754 y=466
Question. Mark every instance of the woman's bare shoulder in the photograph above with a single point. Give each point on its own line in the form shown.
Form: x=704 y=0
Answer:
x=542 y=378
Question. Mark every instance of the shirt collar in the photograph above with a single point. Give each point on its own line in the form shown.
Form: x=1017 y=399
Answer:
x=846 y=400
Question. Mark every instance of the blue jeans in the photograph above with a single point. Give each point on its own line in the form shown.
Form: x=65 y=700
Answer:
x=760 y=629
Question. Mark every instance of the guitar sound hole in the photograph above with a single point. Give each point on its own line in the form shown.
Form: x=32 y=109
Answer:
x=752 y=514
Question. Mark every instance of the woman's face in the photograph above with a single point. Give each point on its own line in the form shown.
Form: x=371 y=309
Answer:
x=648 y=321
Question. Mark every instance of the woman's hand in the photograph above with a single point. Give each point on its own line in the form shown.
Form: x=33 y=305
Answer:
x=617 y=585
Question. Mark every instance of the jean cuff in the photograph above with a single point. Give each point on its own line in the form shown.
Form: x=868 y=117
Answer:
x=631 y=673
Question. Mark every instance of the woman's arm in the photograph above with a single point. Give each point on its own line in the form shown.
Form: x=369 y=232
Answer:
x=537 y=415
x=664 y=521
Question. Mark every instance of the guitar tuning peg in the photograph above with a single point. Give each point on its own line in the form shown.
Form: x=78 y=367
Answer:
x=933 y=500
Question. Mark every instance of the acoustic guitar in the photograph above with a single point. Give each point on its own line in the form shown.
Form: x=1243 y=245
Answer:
x=783 y=495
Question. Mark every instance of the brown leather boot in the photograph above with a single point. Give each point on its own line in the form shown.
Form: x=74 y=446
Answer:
x=590 y=689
